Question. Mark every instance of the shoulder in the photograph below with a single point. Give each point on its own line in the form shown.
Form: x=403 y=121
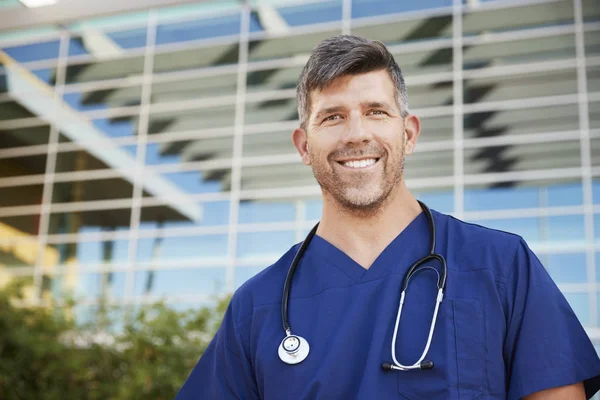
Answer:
x=479 y=246
x=264 y=288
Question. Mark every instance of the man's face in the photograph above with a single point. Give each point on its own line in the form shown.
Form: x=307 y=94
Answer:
x=355 y=140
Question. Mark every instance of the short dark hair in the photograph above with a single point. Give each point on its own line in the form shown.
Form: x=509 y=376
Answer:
x=347 y=55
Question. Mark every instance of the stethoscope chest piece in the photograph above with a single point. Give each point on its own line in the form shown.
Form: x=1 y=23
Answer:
x=293 y=349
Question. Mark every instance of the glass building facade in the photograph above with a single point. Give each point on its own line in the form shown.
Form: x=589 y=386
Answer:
x=149 y=155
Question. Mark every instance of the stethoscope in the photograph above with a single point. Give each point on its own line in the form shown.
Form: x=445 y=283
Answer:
x=294 y=349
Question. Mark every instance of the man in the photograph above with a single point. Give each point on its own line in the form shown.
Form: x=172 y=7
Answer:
x=503 y=330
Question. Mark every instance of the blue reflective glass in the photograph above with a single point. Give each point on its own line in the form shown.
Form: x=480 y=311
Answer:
x=198 y=29
x=129 y=39
x=570 y=194
x=369 y=8
x=314 y=209
x=192 y=181
x=314 y=13
x=565 y=227
x=580 y=303
x=440 y=201
x=242 y=274
x=597 y=226
x=34 y=52
x=567 y=268
x=94 y=253
x=264 y=244
x=528 y=228
x=180 y=282
x=46 y=75
x=91 y=285
x=501 y=198
x=257 y=212
x=177 y=247
x=596 y=191
x=77 y=47
x=117 y=127
x=172 y=216
x=553 y=195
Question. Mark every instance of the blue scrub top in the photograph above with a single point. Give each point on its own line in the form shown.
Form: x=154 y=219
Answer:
x=504 y=330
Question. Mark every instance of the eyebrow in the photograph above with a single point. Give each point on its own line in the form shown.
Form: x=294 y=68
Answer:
x=376 y=104
x=328 y=110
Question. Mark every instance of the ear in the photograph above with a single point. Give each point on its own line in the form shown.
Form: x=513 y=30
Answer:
x=412 y=129
x=300 y=139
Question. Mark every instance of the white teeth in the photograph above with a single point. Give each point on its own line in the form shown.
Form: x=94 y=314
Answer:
x=359 y=163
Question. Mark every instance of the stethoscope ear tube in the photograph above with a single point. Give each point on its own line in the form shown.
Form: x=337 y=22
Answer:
x=287 y=286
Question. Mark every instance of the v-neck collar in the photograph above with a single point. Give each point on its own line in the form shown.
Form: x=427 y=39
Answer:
x=410 y=244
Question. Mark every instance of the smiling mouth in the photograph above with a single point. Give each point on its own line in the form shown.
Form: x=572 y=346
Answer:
x=357 y=164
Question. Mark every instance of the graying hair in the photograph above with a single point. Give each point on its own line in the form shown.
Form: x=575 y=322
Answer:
x=347 y=55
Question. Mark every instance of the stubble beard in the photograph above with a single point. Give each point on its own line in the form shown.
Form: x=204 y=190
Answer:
x=365 y=196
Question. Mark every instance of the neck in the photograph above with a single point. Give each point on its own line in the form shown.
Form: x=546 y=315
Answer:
x=363 y=236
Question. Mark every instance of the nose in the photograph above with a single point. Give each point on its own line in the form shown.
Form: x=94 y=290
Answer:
x=356 y=131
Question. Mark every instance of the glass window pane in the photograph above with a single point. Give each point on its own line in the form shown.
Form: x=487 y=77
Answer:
x=261 y=211
x=89 y=286
x=101 y=43
x=520 y=86
x=521 y=121
x=180 y=282
x=87 y=253
x=169 y=248
x=441 y=199
x=21 y=195
x=20 y=137
x=368 y=8
x=178 y=120
x=188 y=150
x=264 y=245
x=33 y=51
x=522 y=157
x=542 y=49
x=593 y=79
x=103 y=99
x=16 y=250
x=174 y=216
x=518 y=17
x=434 y=128
x=278 y=109
x=176 y=186
x=127 y=65
x=265 y=80
x=192 y=88
x=269 y=143
x=167 y=58
x=39 y=79
x=286 y=46
x=276 y=176
x=436 y=94
x=306 y=14
x=201 y=28
x=22 y=165
x=410 y=30
x=91 y=190
x=18 y=225
x=591 y=40
x=580 y=303
x=542 y=230
x=517 y=195
x=590 y=10
x=242 y=274
x=93 y=221
x=567 y=267
x=91 y=132
x=428 y=164
x=95 y=156
x=594 y=112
